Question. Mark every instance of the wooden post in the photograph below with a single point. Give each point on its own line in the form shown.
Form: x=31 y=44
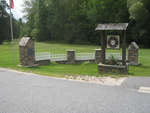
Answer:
x=103 y=46
x=124 y=48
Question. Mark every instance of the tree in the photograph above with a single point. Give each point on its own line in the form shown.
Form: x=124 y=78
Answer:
x=140 y=15
x=5 y=22
x=73 y=21
x=4 y=32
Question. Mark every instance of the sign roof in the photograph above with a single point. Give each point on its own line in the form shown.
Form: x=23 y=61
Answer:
x=112 y=26
x=24 y=41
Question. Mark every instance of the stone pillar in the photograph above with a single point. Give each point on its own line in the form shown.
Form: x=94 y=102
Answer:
x=133 y=53
x=98 y=56
x=71 y=57
x=27 y=52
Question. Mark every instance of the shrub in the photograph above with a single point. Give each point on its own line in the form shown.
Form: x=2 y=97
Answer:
x=112 y=61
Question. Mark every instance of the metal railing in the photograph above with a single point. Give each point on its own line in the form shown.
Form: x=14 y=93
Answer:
x=85 y=56
x=42 y=56
x=78 y=56
x=58 y=57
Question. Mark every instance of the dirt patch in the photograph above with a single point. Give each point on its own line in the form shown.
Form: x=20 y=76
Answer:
x=98 y=80
x=109 y=81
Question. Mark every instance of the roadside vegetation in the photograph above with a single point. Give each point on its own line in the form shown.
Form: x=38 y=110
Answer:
x=61 y=70
x=72 y=23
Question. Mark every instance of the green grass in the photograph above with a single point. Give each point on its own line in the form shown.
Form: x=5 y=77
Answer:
x=60 y=70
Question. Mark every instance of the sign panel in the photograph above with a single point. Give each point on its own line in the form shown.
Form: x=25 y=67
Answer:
x=113 y=41
x=30 y=52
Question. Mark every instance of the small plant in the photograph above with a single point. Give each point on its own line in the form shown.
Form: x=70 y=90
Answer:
x=112 y=61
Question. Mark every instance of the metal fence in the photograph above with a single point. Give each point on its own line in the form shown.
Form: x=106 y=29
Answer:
x=58 y=57
x=42 y=56
x=85 y=56
x=78 y=56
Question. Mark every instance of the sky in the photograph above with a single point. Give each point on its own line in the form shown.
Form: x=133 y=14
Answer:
x=17 y=11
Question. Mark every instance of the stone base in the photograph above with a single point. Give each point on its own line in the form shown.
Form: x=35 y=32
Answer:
x=33 y=65
x=43 y=62
x=61 y=62
x=133 y=64
x=103 y=68
x=76 y=61
x=71 y=62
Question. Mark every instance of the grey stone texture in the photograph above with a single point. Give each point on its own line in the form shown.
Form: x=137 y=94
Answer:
x=98 y=56
x=27 y=52
x=133 y=54
x=70 y=57
x=76 y=61
x=103 y=68
x=43 y=62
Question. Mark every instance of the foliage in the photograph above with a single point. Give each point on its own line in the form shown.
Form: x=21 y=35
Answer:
x=112 y=61
x=5 y=23
x=140 y=15
x=4 y=33
x=74 y=21
x=62 y=69
x=71 y=20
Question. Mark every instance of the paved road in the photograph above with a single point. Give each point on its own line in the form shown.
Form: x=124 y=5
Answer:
x=27 y=93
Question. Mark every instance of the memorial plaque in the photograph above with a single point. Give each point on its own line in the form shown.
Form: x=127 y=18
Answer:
x=30 y=52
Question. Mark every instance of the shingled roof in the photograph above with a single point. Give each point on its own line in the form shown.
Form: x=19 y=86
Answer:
x=24 y=41
x=112 y=26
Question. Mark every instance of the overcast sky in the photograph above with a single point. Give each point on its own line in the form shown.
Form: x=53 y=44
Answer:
x=17 y=11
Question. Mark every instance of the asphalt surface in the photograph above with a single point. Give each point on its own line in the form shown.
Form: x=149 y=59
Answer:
x=28 y=93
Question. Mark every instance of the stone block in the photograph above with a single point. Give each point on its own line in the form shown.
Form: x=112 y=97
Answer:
x=43 y=62
x=133 y=54
x=98 y=56
x=103 y=68
x=71 y=57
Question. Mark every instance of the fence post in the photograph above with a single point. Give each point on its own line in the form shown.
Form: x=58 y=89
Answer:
x=98 y=56
x=71 y=57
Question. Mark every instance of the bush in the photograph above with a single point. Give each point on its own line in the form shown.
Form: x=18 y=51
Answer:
x=112 y=61
x=34 y=33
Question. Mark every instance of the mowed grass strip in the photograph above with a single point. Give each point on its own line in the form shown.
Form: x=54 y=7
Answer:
x=9 y=58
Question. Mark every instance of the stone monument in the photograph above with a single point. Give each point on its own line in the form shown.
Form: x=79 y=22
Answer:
x=133 y=53
x=27 y=52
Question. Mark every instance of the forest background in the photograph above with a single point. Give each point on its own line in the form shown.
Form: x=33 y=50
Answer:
x=74 y=21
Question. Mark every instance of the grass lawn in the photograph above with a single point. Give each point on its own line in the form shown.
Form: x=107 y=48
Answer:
x=60 y=70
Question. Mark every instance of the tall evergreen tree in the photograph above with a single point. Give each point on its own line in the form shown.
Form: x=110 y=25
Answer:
x=4 y=21
x=140 y=15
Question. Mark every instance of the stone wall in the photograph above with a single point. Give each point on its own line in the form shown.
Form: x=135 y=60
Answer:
x=27 y=55
x=102 y=68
